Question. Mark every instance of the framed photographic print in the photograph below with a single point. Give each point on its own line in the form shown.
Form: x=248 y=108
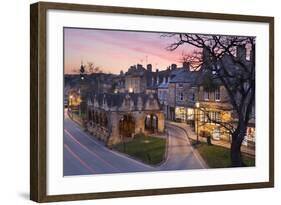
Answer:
x=134 y=102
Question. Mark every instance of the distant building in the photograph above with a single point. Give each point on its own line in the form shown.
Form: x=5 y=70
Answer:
x=135 y=80
x=141 y=80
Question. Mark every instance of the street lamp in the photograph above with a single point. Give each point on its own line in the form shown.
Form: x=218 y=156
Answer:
x=197 y=105
x=70 y=105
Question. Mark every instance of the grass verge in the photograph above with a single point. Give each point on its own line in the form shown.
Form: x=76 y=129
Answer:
x=219 y=157
x=150 y=150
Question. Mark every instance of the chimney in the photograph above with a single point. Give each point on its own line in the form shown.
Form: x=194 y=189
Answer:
x=185 y=65
x=132 y=67
x=139 y=66
x=149 y=67
x=174 y=66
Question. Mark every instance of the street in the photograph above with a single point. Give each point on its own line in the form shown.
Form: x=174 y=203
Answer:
x=84 y=155
x=181 y=155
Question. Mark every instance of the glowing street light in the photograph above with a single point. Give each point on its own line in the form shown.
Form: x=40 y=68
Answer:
x=197 y=104
x=70 y=97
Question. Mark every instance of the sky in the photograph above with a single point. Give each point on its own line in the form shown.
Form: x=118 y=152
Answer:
x=113 y=51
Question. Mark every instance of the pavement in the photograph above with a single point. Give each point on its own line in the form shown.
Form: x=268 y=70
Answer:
x=83 y=154
x=191 y=134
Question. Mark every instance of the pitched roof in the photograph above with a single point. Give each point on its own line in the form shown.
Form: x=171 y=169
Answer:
x=116 y=99
x=183 y=75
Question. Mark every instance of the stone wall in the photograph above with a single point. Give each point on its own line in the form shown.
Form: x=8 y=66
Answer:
x=111 y=135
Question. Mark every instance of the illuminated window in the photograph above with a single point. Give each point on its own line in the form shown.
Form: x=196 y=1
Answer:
x=218 y=116
x=212 y=117
x=190 y=113
x=180 y=113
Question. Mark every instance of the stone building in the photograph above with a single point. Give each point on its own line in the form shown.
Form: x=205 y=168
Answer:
x=188 y=89
x=141 y=80
x=213 y=103
x=182 y=94
x=135 y=81
x=213 y=106
x=162 y=93
x=114 y=117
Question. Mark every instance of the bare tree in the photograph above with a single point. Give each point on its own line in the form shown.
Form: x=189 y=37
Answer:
x=93 y=69
x=224 y=58
x=193 y=58
x=89 y=69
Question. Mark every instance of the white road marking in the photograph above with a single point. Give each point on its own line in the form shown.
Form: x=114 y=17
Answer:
x=79 y=159
x=113 y=152
x=90 y=151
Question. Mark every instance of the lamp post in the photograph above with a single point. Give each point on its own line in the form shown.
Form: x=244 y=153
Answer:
x=80 y=99
x=70 y=104
x=197 y=105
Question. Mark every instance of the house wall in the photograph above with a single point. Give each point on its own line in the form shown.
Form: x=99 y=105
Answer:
x=136 y=83
x=221 y=106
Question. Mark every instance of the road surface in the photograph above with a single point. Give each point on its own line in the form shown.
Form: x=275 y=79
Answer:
x=180 y=155
x=84 y=155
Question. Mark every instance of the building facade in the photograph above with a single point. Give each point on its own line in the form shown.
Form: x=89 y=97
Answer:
x=115 y=117
x=182 y=95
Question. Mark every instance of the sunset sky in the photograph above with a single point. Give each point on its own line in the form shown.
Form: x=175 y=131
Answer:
x=113 y=51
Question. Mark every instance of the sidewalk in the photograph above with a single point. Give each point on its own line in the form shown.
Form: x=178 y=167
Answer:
x=190 y=133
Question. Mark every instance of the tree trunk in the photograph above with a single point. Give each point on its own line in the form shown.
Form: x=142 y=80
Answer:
x=236 y=158
x=237 y=139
